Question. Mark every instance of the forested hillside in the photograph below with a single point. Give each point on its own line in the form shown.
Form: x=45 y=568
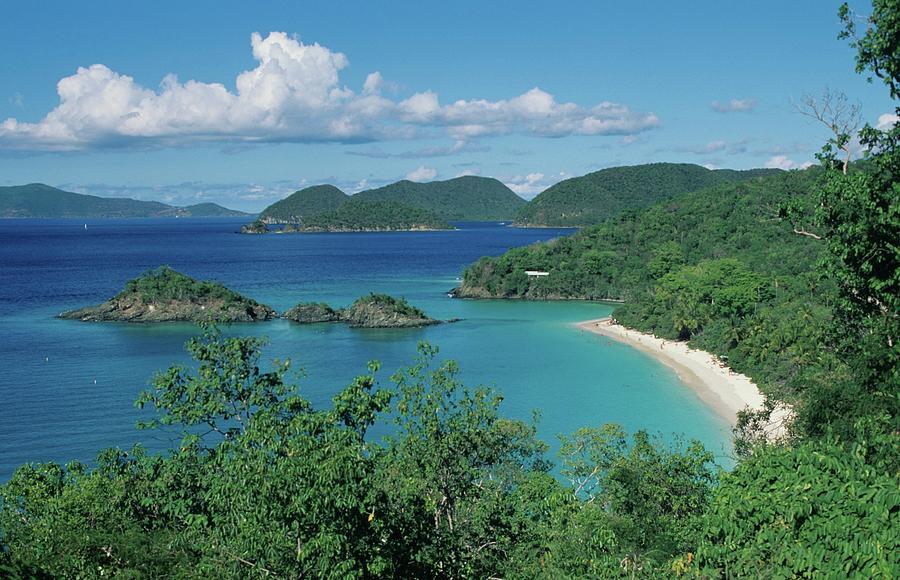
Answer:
x=304 y=204
x=467 y=198
x=717 y=266
x=360 y=216
x=592 y=198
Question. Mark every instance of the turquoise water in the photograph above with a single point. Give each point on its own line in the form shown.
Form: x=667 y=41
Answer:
x=67 y=388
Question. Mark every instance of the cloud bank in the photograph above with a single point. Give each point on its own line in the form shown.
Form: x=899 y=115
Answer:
x=293 y=95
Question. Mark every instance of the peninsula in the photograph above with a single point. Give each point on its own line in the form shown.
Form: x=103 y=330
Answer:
x=164 y=295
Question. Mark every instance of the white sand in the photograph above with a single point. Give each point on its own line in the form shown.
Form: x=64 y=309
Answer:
x=718 y=386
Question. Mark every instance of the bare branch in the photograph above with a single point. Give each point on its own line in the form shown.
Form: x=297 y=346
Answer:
x=836 y=112
x=803 y=232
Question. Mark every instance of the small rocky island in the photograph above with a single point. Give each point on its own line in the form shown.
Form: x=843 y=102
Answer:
x=164 y=295
x=312 y=312
x=258 y=226
x=372 y=311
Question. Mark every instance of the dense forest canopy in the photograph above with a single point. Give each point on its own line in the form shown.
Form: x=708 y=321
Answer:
x=592 y=198
x=264 y=483
x=715 y=266
x=303 y=204
x=466 y=198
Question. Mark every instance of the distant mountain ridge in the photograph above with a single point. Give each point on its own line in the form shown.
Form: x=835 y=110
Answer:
x=37 y=200
x=592 y=198
x=467 y=198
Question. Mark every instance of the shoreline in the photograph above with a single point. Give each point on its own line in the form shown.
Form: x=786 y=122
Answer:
x=722 y=389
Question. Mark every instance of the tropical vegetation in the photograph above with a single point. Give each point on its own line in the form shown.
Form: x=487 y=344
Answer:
x=265 y=484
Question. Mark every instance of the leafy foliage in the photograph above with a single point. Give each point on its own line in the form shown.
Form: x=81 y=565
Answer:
x=819 y=509
x=263 y=483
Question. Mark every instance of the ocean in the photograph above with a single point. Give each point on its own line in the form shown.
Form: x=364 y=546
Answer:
x=67 y=388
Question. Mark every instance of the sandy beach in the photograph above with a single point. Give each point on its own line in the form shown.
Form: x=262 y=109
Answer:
x=718 y=386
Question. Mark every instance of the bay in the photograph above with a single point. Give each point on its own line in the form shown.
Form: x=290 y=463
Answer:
x=67 y=388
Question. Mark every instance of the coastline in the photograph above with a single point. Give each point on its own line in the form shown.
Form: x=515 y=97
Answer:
x=724 y=390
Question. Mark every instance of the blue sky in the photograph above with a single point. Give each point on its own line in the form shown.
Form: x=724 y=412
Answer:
x=242 y=104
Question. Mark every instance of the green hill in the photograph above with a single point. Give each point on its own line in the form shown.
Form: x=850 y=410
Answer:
x=303 y=204
x=592 y=198
x=37 y=200
x=467 y=198
x=375 y=216
x=202 y=210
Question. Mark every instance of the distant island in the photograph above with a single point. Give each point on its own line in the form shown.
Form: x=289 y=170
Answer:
x=164 y=295
x=595 y=197
x=404 y=205
x=304 y=204
x=37 y=200
x=358 y=216
x=372 y=311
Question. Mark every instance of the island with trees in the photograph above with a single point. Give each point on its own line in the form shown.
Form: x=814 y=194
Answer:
x=401 y=206
x=372 y=311
x=165 y=295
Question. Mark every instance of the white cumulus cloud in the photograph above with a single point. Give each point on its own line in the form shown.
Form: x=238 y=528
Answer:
x=422 y=173
x=293 y=94
x=530 y=184
x=887 y=121
x=785 y=162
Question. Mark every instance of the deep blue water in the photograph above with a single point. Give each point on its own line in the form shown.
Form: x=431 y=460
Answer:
x=67 y=388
